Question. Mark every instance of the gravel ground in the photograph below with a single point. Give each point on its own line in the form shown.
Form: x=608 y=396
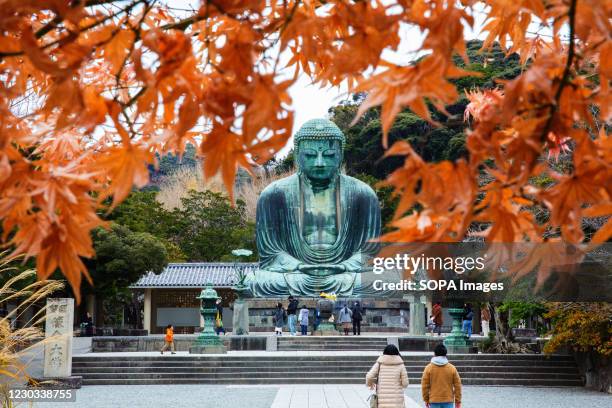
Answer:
x=175 y=396
x=178 y=396
x=527 y=397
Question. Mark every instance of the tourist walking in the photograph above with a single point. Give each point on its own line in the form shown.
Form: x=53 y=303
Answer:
x=169 y=340
x=219 y=319
x=291 y=312
x=280 y=315
x=345 y=318
x=388 y=377
x=303 y=318
x=441 y=384
x=485 y=318
x=357 y=313
x=468 y=315
x=437 y=318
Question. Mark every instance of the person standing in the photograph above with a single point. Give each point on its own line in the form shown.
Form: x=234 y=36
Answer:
x=291 y=314
x=441 y=384
x=357 y=314
x=219 y=319
x=468 y=315
x=388 y=377
x=303 y=318
x=169 y=340
x=345 y=318
x=437 y=318
x=485 y=318
x=280 y=315
x=88 y=324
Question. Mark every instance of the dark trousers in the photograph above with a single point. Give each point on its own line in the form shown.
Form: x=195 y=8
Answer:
x=304 y=329
x=356 y=327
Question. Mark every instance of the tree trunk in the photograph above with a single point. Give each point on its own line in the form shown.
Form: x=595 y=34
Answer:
x=503 y=332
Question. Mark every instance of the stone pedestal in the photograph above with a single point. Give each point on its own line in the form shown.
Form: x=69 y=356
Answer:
x=71 y=382
x=58 y=338
x=325 y=329
x=241 y=317
x=417 y=315
x=208 y=349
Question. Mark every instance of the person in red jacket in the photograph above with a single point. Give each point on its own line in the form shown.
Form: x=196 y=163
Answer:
x=169 y=340
x=437 y=318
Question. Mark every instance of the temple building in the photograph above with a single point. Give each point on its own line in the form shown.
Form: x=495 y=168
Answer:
x=170 y=297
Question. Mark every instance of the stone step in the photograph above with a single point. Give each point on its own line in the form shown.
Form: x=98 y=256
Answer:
x=464 y=366
x=412 y=375
x=292 y=363
x=362 y=368
x=278 y=358
x=326 y=380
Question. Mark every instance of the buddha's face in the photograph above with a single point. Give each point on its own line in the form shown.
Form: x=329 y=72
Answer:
x=319 y=160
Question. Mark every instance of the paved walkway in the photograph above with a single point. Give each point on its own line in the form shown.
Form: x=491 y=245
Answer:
x=317 y=396
x=324 y=396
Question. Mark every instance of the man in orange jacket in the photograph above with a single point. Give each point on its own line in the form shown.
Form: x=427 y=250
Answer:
x=169 y=344
x=441 y=384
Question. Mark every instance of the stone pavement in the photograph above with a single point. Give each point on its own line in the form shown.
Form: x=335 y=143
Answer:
x=323 y=396
x=317 y=396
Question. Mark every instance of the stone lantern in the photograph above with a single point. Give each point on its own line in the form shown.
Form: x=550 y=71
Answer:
x=326 y=310
x=241 y=306
x=208 y=342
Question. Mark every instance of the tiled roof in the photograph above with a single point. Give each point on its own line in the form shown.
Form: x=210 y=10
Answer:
x=193 y=275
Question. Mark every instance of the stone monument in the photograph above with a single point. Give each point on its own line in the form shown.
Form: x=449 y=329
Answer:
x=59 y=321
x=315 y=229
x=417 y=320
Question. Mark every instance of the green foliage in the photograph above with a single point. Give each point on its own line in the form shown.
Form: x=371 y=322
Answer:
x=364 y=150
x=141 y=212
x=582 y=326
x=122 y=257
x=388 y=204
x=169 y=163
x=522 y=311
x=208 y=227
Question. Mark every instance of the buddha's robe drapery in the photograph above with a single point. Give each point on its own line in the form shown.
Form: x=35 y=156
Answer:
x=282 y=247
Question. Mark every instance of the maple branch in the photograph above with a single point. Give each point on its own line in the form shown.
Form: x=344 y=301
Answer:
x=134 y=98
x=58 y=19
x=554 y=107
x=136 y=30
x=84 y=29
x=183 y=24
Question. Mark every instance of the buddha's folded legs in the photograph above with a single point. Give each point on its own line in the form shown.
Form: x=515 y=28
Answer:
x=267 y=284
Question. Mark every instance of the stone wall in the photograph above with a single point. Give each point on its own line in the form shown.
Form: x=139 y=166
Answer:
x=181 y=343
x=380 y=315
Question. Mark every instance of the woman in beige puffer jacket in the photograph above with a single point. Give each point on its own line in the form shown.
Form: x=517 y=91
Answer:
x=390 y=374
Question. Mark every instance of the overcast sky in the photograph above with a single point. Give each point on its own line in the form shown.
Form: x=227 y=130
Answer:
x=311 y=101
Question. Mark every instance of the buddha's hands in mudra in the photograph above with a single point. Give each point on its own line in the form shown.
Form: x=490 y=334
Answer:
x=321 y=269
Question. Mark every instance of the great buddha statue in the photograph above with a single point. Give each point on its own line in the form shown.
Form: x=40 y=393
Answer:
x=315 y=229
